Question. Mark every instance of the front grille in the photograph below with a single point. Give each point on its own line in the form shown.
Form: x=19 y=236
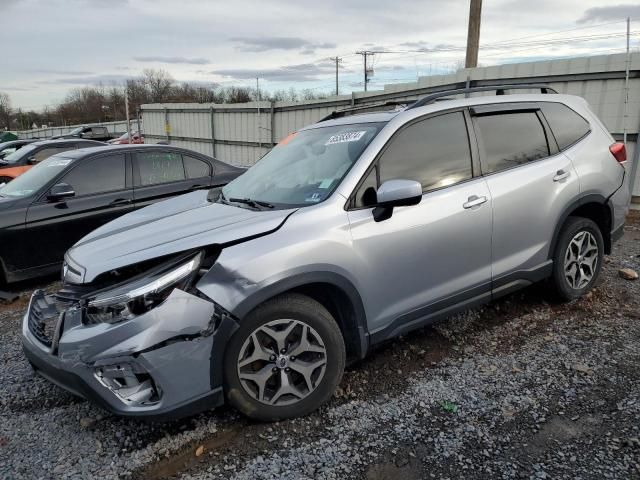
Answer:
x=44 y=315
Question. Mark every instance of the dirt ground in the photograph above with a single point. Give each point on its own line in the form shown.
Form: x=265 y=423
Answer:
x=522 y=388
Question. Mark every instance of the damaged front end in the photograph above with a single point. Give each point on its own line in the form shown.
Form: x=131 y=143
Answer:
x=145 y=344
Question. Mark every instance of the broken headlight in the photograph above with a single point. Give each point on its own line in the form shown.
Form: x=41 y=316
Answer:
x=140 y=296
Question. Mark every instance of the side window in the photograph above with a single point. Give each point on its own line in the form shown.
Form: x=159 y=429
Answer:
x=567 y=126
x=159 y=167
x=510 y=139
x=366 y=194
x=195 y=167
x=434 y=152
x=102 y=174
x=47 y=152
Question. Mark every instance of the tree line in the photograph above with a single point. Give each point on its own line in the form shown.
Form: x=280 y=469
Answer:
x=95 y=104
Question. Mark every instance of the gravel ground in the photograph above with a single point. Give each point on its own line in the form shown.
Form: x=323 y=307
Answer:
x=522 y=388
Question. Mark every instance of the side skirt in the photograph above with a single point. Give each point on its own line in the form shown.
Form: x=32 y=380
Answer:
x=471 y=298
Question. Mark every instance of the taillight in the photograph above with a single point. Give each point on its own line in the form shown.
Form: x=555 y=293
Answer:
x=619 y=152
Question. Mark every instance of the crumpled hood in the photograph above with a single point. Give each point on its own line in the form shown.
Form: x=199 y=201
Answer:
x=179 y=224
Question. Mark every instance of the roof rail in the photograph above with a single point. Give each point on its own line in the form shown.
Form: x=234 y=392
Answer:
x=499 y=89
x=348 y=110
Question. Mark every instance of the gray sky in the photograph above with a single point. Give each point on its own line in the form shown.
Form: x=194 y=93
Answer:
x=51 y=46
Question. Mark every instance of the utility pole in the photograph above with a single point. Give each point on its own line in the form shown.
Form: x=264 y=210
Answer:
x=337 y=60
x=126 y=109
x=259 y=119
x=365 y=54
x=626 y=86
x=473 y=35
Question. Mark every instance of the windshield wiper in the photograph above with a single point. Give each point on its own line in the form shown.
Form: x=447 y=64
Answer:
x=251 y=203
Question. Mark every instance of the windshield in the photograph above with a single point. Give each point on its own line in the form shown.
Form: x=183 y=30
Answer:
x=35 y=178
x=75 y=131
x=19 y=154
x=304 y=168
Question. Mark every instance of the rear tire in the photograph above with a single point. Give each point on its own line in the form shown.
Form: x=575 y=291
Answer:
x=285 y=360
x=578 y=258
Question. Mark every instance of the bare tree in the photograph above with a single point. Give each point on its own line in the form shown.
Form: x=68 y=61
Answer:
x=5 y=111
x=159 y=83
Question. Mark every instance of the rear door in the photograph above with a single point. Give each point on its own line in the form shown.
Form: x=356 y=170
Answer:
x=531 y=183
x=160 y=174
x=103 y=192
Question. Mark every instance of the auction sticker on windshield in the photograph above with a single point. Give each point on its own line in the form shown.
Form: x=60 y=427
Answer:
x=345 y=137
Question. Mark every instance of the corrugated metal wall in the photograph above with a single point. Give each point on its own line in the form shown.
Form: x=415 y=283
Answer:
x=112 y=127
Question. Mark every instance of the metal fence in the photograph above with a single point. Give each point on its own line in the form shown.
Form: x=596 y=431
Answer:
x=113 y=128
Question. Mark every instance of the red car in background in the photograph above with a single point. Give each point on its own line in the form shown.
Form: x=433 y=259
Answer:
x=124 y=139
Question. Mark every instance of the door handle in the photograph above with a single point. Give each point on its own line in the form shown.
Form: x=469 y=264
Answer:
x=560 y=175
x=474 y=201
x=120 y=201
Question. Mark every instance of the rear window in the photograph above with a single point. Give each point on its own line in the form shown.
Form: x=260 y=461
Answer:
x=567 y=126
x=507 y=140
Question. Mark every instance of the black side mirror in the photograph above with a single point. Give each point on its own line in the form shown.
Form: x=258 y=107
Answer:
x=60 y=191
x=396 y=193
x=31 y=160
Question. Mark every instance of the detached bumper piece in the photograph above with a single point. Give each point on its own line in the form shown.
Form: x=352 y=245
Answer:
x=163 y=364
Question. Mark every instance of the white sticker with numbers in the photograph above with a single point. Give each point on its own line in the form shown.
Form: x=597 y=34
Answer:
x=345 y=137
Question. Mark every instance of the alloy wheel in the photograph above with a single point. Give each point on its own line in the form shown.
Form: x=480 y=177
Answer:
x=581 y=260
x=282 y=362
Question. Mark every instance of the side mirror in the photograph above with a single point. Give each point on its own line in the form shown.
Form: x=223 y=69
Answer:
x=396 y=193
x=60 y=191
x=31 y=160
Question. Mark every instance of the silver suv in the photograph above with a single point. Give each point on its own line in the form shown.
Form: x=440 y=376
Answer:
x=354 y=230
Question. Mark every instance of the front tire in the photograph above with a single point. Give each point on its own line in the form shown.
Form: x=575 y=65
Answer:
x=285 y=360
x=578 y=258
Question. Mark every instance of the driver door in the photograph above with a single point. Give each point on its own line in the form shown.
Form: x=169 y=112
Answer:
x=434 y=255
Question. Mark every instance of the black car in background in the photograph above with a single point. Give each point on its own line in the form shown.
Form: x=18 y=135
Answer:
x=12 y=145
x=95 y=132
x=49 y=208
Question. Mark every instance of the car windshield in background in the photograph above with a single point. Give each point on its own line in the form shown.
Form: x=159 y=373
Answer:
x=75 y=131
x=35 y=178
x=304 y=168
x=19 y=154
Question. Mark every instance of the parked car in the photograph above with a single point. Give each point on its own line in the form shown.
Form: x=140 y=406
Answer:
x=57 y=202
x=91 y=132
x=20 y=161
x=350 y=232
x=124 y=139
x=7 y=148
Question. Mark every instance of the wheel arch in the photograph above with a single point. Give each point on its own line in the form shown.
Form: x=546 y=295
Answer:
x=335 y=292
x=593 y=206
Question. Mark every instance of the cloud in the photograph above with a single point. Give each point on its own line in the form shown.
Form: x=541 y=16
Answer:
x=426 y=47
x=54 y=71
x=15 y=89
x=303 y=72
x=172 y=60
x=264 y=44
x=613 y=12
x=90 y=80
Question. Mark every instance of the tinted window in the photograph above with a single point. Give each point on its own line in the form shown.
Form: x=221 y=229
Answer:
x=159 y=167
x=195 y=167
x=567 y=126
x=510 y=139
x=102 y=174
x=434 y=152
x=49 y=151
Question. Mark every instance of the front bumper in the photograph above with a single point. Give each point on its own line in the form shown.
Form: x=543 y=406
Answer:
x=166 y=363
